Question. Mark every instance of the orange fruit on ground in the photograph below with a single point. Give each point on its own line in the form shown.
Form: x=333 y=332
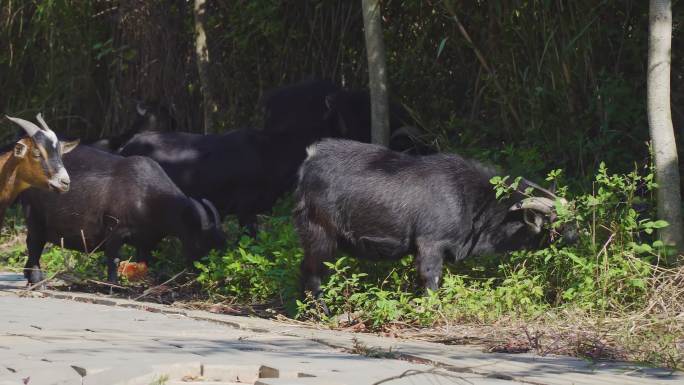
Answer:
x=133 y=271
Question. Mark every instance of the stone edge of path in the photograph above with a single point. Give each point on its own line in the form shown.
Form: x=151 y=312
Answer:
x=394 y=348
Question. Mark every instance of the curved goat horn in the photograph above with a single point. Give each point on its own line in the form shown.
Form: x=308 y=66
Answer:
x=410 y=131
x=539 y=188
x=541 y=204
x=140 y=109
x=214 y=211
x=202 y=212
x=40 y=120
x=30 y=128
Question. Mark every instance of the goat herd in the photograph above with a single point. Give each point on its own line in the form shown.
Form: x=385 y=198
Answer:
x=367 y=200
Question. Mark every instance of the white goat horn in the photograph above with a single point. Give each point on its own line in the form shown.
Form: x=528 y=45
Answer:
x=214 y=211
x=40 y=120
x=543 y=205
x=30 y=128
x=141 y=110
x=202 y=212
x=410 y=131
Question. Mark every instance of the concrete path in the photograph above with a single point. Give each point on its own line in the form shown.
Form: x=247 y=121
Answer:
x=56 y=337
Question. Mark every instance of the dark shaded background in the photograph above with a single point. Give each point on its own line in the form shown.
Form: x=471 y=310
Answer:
x=574 y=71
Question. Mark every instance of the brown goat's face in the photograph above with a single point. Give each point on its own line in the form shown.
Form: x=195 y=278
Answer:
x=40 y=158
x=42 y=167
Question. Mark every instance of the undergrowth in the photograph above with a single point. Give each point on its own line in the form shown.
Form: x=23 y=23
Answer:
x=616 y=270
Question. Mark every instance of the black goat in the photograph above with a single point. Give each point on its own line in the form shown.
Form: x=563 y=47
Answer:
x=330 y=111
x=243 y=171
x=379 y=204
x=116 y=200
x=149 y=117
x=298 y=106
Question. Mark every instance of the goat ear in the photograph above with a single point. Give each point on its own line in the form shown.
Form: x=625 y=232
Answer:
x=20 y=150
x=68 y=146
x=534 y=220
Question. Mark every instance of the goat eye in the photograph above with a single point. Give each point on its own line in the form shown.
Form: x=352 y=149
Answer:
x=36 y=153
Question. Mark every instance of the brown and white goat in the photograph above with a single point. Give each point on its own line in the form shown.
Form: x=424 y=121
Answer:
x=34 y=161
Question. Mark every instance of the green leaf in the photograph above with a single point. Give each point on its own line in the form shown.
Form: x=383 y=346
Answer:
x=592 y=201
x=641 y=248
x=576 y=259
x=441 y=46
x=659 y=224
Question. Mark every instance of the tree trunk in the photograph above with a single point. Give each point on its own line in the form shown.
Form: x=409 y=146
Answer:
x=202 y=58
x=660 y=122
x=377 y=72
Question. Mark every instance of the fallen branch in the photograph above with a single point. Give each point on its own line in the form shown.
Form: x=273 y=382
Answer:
x=155 y=288
x=42 y=282
x=109 y=284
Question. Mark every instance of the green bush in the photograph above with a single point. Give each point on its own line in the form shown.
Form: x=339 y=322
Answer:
x=606 y=270
x=260 y=270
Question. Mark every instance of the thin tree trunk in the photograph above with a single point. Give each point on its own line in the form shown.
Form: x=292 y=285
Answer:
x=660 y=122
x=377 y=72
x=202 y=58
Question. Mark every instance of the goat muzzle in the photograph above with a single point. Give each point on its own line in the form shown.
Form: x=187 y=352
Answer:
x=60 y=181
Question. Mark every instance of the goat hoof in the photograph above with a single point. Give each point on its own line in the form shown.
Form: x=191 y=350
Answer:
x=34 y=277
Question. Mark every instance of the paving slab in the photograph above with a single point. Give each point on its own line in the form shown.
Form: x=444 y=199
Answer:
x=43 y=334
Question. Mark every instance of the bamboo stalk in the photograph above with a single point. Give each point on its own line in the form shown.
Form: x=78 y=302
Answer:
x=483 y=63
